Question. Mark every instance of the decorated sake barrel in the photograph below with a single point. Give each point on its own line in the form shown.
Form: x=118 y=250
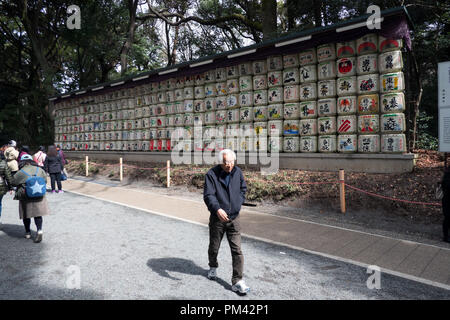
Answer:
x=385 y=45
x=145 y=134
x=233 y=85
x=308 y=144
x=260 y=128
x=326 y=70
x=290 y=60
x=221 y=88
x=308 y=73
x=145 y=112
x=291 y=144
x=210 y=117
x=199 y=92
x=220 y=144
x=326 y=107
x=275 y=144
x=232 y=72
x=326 y=88
x=392 y=102
x=210 y=104
x=178 y=120
x=160 y=109
x=209 y=132
x=327 y=143
x=368 y=104
x=346 y=49
x=346 y=86
x=188 y=119
x=392 y=82
x=368 y=83
x=291 y=76
x=308 y=91
x=326 y=52
x=179 y=106
x=367 y=64
x=347 y=143
x=308 y=109
x=260 y=82
x=170 y=108
x=137 y=124
x=199 y=105
x=221 y=74
x=162 y=145
x=199 y=119
x=232 y=143
x=368 y=124
x=188 y=105
x=245 y=69
x=131 y=135
x=275 y=112
x=198 y=145
x=245 y=83
x=221 y=102
x=246 y=129
x=367 y=44
x=179 y=82
x=308 y=127
x=393 y=123
x=210 y=90
x=260 y=113
x=188 y=132
x=160 y=121
x=291 y=127
x=199 y=79
x=233 y=101
x=307 y=57
x=221 y=130
x=161 y=133
x=274 y=63
x=246 y=114
x=393 y=143
x=260 y=97
x=233 y=130
x=275 y=95
x=260 y=143
x=326 y=125
x=152 y=146
x=130 y=114
x=221 y=116
x=291 y=110
x=153 y=134
x=232 y=115
x=169 y=131
x=209 y=145
x=162 y=97
x=259 y=67
x=275 y=127
x=390 y=61
x=145 y=145
x=130 y=124
x=346 y=67
x=246 y=99
x=170 y=96
x=347 y=124
x=188 y=93
x=291 y=93
x=210 y=76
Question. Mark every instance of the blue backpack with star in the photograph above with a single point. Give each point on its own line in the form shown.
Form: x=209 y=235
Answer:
x=35 y=187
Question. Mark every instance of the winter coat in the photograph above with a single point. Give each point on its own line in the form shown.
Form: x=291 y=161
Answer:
x=5 y=178
x=11 y=155
x=217 y=195
x=53 y=164
x=39 y=157
x=29 y=208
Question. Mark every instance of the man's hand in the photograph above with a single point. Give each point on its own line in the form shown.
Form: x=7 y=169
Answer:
x=222 y=215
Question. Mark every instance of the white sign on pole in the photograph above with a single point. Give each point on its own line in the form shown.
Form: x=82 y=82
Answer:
x=444 y=105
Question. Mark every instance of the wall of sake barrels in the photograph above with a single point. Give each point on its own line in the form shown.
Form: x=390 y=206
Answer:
x=337 y=97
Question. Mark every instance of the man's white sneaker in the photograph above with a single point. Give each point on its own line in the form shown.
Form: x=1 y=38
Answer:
x=212 y=274
x=27 y=235
x=240 y=287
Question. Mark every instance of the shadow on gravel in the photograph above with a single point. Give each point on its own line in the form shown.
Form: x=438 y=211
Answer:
x=163 y=265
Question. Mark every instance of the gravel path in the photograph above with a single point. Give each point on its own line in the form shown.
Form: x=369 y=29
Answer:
x=124 y=253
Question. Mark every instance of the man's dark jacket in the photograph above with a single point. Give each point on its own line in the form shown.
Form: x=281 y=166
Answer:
x=217 y=195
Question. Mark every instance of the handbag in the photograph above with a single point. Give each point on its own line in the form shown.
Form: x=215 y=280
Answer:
x=63 y=176
x=439 y=193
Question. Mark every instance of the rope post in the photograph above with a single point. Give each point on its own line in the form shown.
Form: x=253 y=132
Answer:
x=342 y=189
x=121 y=169
x=168 y=173
x=87 y=166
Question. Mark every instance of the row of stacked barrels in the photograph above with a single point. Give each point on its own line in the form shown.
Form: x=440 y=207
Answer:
x=344 y=97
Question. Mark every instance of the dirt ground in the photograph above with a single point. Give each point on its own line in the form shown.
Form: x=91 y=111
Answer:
x=281 y=194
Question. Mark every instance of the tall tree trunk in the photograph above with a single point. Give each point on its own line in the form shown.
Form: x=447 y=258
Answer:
x=269 y=26
x=290 y=8
x=132 y=7
x=318 y=13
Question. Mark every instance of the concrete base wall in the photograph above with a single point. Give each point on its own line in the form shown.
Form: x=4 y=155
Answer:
x=371 y=163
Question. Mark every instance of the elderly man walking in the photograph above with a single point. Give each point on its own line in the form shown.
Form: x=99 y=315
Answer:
x=223 y=194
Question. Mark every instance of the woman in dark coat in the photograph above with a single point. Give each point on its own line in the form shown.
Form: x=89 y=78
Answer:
x=446 y=204
x=53 y=165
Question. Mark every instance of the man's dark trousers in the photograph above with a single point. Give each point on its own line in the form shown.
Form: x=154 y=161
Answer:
x=232 y=228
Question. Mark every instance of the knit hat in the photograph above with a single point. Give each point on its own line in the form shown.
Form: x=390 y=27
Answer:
x=12 y=143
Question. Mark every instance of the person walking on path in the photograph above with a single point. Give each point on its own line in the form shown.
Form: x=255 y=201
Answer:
x=12 y=155
x=446 y=204
x=62 y=155
x=224 y=194
x=5 y=183
x=40 y=156
x=53 y=165
x=30 y=207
